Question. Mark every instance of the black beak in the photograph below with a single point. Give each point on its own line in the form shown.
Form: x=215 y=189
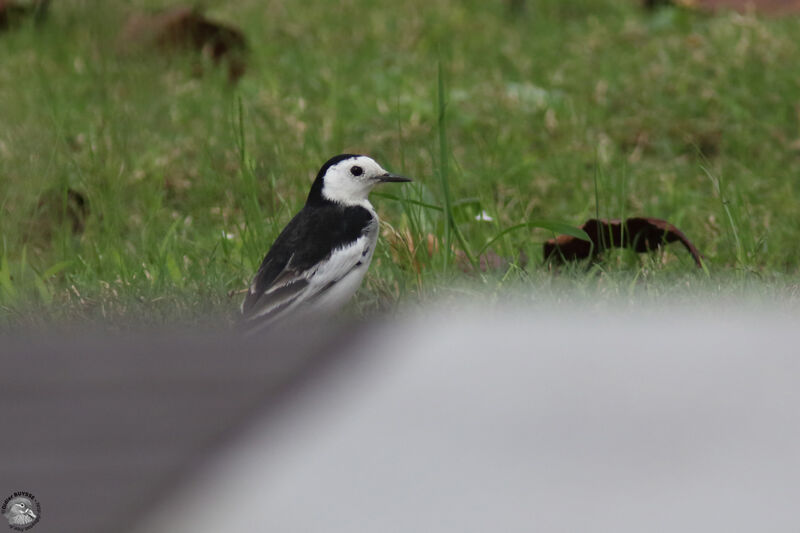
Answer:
x=392 y=178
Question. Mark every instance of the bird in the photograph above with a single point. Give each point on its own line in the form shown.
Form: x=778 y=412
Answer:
x=319 y=259
x=20 y=512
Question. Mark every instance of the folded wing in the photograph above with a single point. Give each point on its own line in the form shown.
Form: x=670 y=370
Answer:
x=316 y=251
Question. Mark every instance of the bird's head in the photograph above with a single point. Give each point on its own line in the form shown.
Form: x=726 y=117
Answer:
x=20 y=511
x=348 y=179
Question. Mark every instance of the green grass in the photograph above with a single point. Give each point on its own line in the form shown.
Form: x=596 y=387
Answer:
x=555 y=114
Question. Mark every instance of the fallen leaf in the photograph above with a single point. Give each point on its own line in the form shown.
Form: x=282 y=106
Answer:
x=57 y=209
x=12 y=12
x=638 y=233
x=487 y=261
x=186 y=28
x=773 y=7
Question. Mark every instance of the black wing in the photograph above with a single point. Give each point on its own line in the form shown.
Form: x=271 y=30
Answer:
x=307 y=240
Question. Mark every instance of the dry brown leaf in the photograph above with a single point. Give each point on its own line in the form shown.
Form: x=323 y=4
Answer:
x=184 y=27
x=773 y=7
x=12 y=12
x=487 y=261
x=638 y=233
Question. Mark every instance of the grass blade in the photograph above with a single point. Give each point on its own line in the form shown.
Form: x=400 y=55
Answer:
x=408 y=201
x=443 y=165
x=450 y=227
x=555 y=227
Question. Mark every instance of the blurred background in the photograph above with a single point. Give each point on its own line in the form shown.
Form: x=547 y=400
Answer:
x=150 y=152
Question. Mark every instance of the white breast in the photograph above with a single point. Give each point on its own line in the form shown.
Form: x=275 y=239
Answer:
x=345 y=269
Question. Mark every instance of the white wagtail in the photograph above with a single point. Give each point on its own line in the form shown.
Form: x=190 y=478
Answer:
x=319 y=259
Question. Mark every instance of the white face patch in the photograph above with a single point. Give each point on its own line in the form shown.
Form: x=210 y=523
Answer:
x=349 y=182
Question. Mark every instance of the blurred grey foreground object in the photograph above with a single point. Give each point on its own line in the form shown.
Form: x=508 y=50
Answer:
x=99 y=428
x=515 y=420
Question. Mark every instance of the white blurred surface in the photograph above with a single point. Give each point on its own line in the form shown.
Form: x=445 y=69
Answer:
x=525 y=421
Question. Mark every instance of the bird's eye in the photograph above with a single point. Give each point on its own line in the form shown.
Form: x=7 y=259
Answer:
x=356 y=170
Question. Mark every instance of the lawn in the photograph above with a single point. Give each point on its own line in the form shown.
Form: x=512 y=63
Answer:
x=556 y=112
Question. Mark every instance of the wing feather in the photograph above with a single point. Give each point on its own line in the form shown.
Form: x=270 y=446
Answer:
x=278 y=298
x=310 y=256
